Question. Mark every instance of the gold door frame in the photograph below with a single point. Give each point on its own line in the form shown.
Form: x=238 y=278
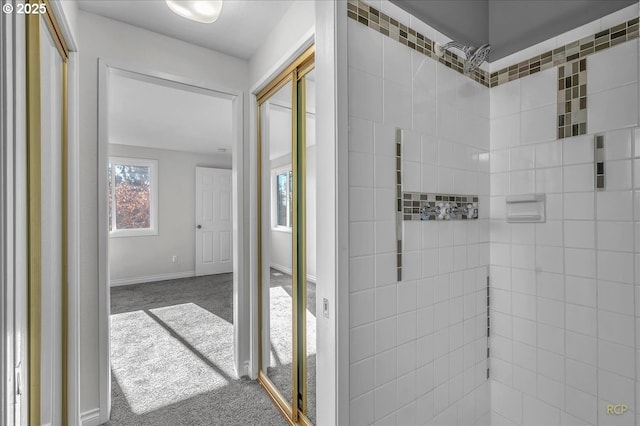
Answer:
x=34 y=209
x=293 y=73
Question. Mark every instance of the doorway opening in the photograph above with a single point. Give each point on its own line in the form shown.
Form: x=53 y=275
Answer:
x=169 y=240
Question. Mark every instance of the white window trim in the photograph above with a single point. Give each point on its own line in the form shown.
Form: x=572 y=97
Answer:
x=153 y=197
x=274 y=197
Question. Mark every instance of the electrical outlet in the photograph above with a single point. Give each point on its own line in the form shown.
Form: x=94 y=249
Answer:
x=325 y=307
x=174 y=259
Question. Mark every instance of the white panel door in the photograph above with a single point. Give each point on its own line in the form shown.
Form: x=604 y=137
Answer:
x=213 y=221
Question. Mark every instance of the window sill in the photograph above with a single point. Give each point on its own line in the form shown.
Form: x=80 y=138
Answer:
x=281 y=229
x=133 y=233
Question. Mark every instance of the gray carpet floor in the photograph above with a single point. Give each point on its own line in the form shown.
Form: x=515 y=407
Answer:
x=172 y=357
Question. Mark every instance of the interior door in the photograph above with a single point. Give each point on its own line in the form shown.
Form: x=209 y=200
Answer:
x=213 y=221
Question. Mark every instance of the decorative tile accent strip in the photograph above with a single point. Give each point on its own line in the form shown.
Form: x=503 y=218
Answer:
x=418 y=206
x=384 y=24
x=579 y=49
x=599 y=161
x=399 y=202
x=572 y=99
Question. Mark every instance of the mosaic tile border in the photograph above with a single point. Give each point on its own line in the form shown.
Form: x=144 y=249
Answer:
x=390 y=27
x=386 y=25
x=598 y=155
x=421 y=206
x=579 y=49
x=572 y=99
x=399 y=203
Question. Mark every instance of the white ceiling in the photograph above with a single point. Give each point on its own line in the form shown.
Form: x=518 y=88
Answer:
x=240 y=30
x=144 y=112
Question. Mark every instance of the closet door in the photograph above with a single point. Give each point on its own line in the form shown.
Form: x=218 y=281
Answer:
x=47 y=216
x=287 y=329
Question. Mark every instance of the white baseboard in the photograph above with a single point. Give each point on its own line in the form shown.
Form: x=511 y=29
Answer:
x=90 y=418
x=152 y=278
x=288 y=271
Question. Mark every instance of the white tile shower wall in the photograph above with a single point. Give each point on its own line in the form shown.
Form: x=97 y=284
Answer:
x=418 y=348
x=564 y=325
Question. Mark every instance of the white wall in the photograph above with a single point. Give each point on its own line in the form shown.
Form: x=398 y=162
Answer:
x=418 y=348
x=298 y=21
x=100 y=37
x=134 y=258
x=563 y=343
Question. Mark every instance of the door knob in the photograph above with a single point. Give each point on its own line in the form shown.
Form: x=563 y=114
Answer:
x=199 y=226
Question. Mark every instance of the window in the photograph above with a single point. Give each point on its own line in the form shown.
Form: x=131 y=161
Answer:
x=133 y=201
x=283 y=198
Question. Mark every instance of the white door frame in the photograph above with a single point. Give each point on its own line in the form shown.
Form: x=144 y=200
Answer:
x=240 y=285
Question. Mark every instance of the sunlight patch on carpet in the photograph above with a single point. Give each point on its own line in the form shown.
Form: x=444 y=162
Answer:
x=153 y=368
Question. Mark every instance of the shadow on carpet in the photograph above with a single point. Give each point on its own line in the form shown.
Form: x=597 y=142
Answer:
x=172 y=357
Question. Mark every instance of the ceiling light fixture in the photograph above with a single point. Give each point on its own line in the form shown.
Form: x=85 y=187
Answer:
x=204 y=11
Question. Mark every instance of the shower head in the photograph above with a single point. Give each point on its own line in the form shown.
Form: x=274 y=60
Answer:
x=475 y=57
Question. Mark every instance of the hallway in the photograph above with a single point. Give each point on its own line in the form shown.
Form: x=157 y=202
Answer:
x=172 y=357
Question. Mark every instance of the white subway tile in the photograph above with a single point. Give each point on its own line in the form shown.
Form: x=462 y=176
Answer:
x=616 y=328
x=613 y=109
x=577 y=150
x=539 y=89
x=367 y=60
x=361 y=410
x=581 y=319
x=386 y=301
x=582 y=405
x=365 y=96
x=616 y=358
x=505 y=131
x=396 y=62
x=618 y=175
x=614 y=205
x=360 y=204
x=522 y=158
x=578 y=178
x=361 y=342
x=581 y=291
x=551 y=391
x=580 y=262
x=385 y=334
x=385 y=140
x=361 y=308
x=385 y=399
x=385 y=367
x=539 y=125
x=616 y=297
x=397 y=104
x=615 y=236
x=617 y=144
x=537 y=413
x=615 y=266
x=602 y=76
x=549 y=154
x=505 y=99
x=579 y=233
x=361 y=375
x=582 y=376
x=582 y=348
x=360 y=135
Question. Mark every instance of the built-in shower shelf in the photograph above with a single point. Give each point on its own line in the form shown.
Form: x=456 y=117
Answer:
x=421 y=206
x=526 y=208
